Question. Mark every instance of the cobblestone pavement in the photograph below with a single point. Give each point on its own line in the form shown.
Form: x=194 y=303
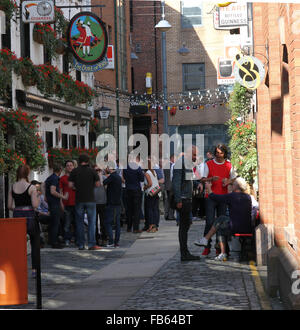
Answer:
x=68 y=267
x=200 y=285
x=207 y=284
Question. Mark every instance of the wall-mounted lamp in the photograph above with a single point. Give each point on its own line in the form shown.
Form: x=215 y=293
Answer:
x=57 y=121
x=45 y=118
x=66 y=122
x=74 y=124
x=183 y=50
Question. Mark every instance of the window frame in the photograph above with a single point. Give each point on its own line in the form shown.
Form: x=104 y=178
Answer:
x=184 y=75
x=182 y=16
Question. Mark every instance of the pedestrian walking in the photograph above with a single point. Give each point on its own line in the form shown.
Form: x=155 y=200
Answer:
x=53 y=197
x=220 y=173
x=182 y=186
x=84 y=179
x=113 y=206
x=23 y=200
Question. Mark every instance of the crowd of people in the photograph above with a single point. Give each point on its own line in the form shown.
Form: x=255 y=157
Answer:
x=89 y=202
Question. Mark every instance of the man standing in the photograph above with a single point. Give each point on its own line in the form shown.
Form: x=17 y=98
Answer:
x=219 y=172
x=169 y=212
x=133 y=176
x=53 y=197
x=84 y=179
x=182 y=185
x=113 y=206
x=68 y=205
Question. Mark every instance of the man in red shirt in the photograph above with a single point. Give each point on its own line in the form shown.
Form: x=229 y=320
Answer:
x=68 y=205
x=220 y=173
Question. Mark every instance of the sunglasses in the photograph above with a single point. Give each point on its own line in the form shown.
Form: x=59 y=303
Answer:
x=98 y=170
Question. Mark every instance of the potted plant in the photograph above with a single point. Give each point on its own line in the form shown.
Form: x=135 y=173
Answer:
x=44 y=33
x=7 y=62
x=27 y=70
x=10 y=8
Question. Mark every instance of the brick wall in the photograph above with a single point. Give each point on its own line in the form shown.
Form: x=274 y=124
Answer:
x=278 y=126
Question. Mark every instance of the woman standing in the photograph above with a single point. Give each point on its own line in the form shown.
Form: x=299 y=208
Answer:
x=25 y=199
x=151 y=201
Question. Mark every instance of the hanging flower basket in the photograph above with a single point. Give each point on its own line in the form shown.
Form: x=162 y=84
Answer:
x=37 y=37
x=27 y=80
x=60 y=47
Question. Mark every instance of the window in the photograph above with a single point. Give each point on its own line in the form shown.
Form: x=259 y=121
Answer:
x=49 y=140
x=64 y=141
x=193 y=75
x=82 y=141
x=73 y=141
x=191 y=13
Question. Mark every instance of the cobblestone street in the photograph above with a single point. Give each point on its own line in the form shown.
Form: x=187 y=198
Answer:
x=203 y=285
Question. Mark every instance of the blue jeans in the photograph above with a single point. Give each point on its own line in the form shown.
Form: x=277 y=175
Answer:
x=90 y=209
x=112 y=212
x=69 y=219
x=211 y=208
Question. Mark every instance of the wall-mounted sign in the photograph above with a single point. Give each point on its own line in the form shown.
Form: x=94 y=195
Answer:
x=225 y=75
x=90 y=68
x=38 y=11
x=87 y=38
x=110 y=57
x=236 y=14
x=249 y=71
x=46 y=106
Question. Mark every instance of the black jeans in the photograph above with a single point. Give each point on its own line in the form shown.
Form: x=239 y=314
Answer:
x=100 y=214
x=55 y=213
x=184 y=225
x=133 y=198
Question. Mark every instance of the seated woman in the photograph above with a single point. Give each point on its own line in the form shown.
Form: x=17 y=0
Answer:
x=239 y=220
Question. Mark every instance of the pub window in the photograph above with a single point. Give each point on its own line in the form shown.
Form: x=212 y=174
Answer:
x=49 y=140
x=73 y=141
x=78 y=75
x=64 y=141
x=66 y=66
x=82 y=141
x=25 y=40
x=47 y=58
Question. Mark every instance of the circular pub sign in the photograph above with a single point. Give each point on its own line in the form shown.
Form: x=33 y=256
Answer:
x=87 y=38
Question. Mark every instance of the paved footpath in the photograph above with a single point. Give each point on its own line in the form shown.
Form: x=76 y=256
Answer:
x=146 y=273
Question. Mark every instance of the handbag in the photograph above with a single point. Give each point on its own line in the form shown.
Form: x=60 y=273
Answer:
x=154 y=191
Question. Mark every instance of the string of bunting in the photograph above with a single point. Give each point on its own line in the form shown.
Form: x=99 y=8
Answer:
x=191 y=100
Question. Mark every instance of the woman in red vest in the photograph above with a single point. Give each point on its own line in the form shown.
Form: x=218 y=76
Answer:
x=220 y=173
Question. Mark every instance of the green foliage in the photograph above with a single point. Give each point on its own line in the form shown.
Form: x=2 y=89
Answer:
x=27 y=146
x=60 y=155
x=242 y=134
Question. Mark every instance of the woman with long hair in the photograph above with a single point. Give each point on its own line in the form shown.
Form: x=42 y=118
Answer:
x=151 y=201
x=23 y=200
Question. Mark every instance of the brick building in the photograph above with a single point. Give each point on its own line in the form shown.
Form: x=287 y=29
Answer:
x=191 y=79
x=277 y=45
x=113 y=84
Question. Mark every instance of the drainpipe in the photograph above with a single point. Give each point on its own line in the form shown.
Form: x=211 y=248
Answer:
x=117 y=74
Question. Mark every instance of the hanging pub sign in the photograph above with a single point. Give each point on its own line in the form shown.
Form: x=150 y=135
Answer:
x=87 y=39
x=38 y=11
x=249 y=71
